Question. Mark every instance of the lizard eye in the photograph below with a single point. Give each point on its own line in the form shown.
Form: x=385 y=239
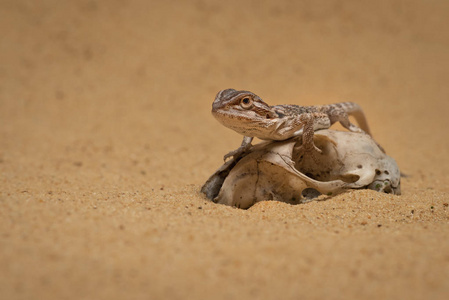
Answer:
x=246 y=103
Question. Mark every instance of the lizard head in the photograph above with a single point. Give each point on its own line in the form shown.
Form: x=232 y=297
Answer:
x=242 y=111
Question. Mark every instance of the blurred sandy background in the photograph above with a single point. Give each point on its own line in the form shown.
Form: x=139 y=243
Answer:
x=106 y=137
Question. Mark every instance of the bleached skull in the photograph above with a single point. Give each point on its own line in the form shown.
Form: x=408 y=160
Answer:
x=277 y=170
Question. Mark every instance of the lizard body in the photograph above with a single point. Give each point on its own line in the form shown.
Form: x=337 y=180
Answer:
x=247 y=114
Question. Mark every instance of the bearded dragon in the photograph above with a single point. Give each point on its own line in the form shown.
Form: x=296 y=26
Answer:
x=246 y=113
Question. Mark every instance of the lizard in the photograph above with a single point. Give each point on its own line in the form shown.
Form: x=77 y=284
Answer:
x=247 y=114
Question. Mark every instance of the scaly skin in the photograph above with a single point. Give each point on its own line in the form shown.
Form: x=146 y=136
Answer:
x=246 y=113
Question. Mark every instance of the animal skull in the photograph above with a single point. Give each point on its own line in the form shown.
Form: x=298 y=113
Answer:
x=278 y=170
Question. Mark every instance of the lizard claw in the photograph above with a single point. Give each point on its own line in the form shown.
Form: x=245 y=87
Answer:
x=230 y=154
x=317 y=149
x=237 y=152
x=309 y=149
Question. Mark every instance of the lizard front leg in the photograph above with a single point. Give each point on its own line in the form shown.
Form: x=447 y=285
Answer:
x=245 y=146
x=311 y=122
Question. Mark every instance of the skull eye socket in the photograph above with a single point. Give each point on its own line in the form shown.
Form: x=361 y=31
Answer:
x=246 y=102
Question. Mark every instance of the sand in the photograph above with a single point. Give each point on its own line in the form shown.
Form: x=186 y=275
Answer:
x=106 y=137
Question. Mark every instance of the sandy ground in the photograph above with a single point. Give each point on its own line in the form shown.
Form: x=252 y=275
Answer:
x=106 y=137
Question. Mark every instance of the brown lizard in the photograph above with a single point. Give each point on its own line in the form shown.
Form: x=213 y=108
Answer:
x=246 y=113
